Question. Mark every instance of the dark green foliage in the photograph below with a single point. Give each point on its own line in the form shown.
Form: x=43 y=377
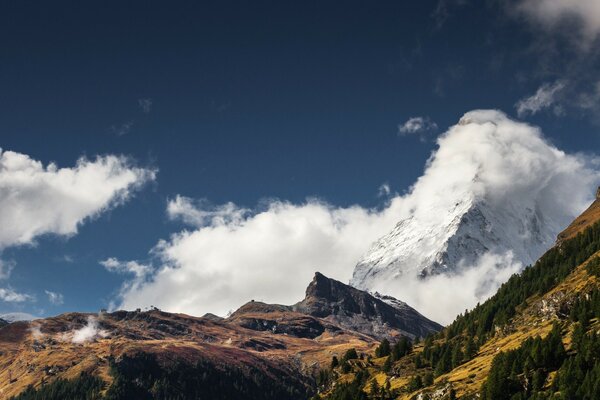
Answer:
x=352 y=390
x=350 y=355
x=579 y=376
x=384 y=349
x=549 y=270
x=401 y=348
x=346 y=367
x=512 y=371
x=428 y=379
x=142 y=377
x=86 y=387
x=593 y=267
x=324 y=378
x=334 y=362
x=387 y=365
x=415 y=383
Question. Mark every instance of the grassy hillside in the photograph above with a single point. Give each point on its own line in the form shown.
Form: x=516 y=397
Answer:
x=535 y=339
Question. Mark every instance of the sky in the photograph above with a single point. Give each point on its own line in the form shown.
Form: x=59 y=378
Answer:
x=138 y=138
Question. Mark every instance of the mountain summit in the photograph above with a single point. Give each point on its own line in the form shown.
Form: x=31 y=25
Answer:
x=422 y=246
x=358 y=310
x=494 y=187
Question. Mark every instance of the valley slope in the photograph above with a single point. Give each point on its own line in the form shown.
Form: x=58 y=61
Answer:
x=536 y=338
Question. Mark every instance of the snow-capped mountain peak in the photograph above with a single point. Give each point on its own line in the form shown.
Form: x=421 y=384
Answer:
x=491 y=188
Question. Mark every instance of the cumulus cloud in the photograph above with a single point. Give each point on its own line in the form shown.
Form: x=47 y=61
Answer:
x=417 y=125
x=271 y=254
x=11 y=296
x=89 y=332
x=55 y=298
x=139 y=273
x=545 y=97
x=37 y=199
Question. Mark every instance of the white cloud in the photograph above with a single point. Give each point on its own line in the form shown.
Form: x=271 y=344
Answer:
x=114 y=265
x=564 y=50
x=200 y=213
x=582 y=14
x=11 y=296
x=139 y=271
x=384 y=190
x=416 y=125
x=55 y=298
x=37 y=199
x=17 y=316
x=545 y=97
x=271 y=254
x=89 y=332
x=145 y=104
x=36 y=331
x=443 y=297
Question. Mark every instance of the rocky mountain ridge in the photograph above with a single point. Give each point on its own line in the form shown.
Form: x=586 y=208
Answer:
x=361 y=311
x=281 y=346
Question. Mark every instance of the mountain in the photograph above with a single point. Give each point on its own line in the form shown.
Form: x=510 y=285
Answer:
x=536 y=338
x=354 y=309
x=3 y=322
x=453 y=233
x=261 y=351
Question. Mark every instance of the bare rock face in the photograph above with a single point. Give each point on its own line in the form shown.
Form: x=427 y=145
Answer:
x=358 y=310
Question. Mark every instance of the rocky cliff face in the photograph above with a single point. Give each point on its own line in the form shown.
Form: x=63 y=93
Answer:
x=374 y=315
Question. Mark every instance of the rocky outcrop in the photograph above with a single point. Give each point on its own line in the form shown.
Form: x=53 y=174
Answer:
x=361 y=311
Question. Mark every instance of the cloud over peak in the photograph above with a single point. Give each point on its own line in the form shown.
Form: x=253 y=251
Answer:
x=230 y=256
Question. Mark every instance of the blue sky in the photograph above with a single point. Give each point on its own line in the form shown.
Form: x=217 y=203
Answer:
x=236 y=101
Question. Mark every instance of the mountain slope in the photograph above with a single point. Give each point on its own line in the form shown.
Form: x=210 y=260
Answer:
x=269 y=351
x=536 y=338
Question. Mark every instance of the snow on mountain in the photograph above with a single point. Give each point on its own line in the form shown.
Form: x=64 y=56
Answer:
x=494 y=186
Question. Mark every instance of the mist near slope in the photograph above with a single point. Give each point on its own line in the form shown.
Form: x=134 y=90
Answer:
x=230 y=255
